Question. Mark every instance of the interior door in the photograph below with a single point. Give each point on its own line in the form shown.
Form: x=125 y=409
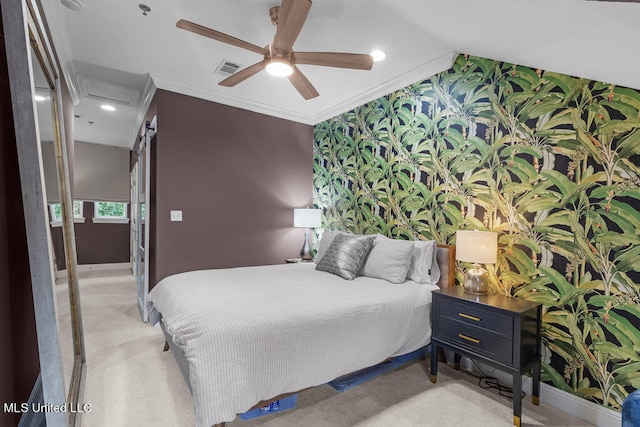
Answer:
x=135 y=209
x=142 y=229
x=141 y=264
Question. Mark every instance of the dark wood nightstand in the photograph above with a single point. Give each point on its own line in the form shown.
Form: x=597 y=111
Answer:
x=500 y=331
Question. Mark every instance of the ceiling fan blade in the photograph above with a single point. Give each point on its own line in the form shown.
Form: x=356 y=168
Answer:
x=291 y=18
x=302 y=84
x=332 y=59
x=243 y=74
x=221 y=37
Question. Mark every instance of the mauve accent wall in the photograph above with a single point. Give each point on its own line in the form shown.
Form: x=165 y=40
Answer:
x=96 y=243
x=236 y=176
x=19 y=364
x=100 y=243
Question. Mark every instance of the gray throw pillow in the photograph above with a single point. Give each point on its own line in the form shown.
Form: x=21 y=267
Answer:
x=325 y=241
x=389 y=259
x=345 y=255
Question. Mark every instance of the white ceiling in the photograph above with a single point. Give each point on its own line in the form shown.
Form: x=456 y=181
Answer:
x=110 y=49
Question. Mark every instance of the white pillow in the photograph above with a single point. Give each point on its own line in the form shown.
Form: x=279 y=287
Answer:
x=389 y=259
x=424 y=266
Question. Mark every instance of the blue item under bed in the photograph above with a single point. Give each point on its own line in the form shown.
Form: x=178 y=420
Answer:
x=349 y=381
x=342 y=384
x=280 y=405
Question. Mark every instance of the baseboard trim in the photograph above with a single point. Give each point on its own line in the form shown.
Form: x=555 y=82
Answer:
x=549 y=395
x=87 y=268
x=31 y=418
x=578 y=407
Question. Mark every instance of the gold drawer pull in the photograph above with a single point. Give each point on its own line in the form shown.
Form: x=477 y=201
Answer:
x=473 y=340
x=468 y=316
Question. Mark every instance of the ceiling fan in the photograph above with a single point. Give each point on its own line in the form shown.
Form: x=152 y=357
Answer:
x=279 y=57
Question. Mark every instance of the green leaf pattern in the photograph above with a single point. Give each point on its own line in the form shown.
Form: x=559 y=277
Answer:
x=550 y=162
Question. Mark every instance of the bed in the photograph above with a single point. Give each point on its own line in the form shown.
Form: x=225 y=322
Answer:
x=246 y=336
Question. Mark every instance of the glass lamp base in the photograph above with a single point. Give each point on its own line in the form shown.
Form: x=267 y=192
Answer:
x=476 y=280
x=305 y=252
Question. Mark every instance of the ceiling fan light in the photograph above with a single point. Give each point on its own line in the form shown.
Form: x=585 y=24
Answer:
x=279 y=68
x=378 y=55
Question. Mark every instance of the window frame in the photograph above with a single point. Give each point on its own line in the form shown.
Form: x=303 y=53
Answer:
x=99 y=219
x=57 y=222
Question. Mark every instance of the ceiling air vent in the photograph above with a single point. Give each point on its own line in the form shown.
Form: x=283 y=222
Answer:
x=227 y=68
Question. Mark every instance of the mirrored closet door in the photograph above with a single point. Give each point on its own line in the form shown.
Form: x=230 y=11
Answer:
x=34 y=77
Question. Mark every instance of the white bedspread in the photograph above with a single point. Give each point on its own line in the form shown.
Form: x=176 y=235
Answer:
x=252 y=333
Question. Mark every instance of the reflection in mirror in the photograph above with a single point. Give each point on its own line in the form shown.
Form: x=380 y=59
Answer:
x=141 y=255
x=54 y=168
x=43 y=96
x=33 y=70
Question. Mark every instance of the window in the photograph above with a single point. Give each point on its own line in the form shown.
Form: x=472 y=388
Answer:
x=77 y=209
x=55 y=210
x=110 y=212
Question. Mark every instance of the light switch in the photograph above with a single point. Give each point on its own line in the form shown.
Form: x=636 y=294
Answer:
x=176 y=215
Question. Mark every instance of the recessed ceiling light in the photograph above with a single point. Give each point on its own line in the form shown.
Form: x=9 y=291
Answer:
x=144 y=8
x=73 y=4
x=378 y=55
x=108 y=107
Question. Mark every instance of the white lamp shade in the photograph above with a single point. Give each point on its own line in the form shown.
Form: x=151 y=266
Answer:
x=479 y=247
x=308 y=218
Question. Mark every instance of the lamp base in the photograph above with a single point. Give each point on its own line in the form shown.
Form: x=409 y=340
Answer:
x=305 y=252
x=476 y=280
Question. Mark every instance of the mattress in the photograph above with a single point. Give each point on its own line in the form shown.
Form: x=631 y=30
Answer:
x=252 y=333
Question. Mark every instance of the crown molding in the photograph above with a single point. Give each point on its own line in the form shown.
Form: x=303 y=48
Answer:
x=233 y=101
x=424 y=71
x=146 y=97
x=421 y=72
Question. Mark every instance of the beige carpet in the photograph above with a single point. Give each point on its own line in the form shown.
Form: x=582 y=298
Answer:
x=130 y=381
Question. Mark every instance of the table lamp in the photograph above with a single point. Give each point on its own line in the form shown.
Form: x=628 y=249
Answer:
x=477 y=247
x=307 y=218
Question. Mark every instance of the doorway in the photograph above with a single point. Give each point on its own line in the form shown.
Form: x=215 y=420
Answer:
x=140 y=180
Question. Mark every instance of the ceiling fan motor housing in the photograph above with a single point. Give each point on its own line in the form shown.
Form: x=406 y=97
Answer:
x=273 y=14
x=279 y=57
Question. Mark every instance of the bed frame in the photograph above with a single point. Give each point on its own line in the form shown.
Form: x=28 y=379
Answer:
x=446 y=261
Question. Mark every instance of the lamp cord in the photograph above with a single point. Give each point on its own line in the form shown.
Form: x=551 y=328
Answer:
x=488 y=382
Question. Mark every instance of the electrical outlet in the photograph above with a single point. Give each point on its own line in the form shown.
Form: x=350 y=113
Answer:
x=176 y=215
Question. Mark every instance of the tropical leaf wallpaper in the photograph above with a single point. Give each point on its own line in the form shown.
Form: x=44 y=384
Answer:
x=550 y=162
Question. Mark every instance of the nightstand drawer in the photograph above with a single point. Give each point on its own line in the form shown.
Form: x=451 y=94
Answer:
x=478 y=340
x=474 y=315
